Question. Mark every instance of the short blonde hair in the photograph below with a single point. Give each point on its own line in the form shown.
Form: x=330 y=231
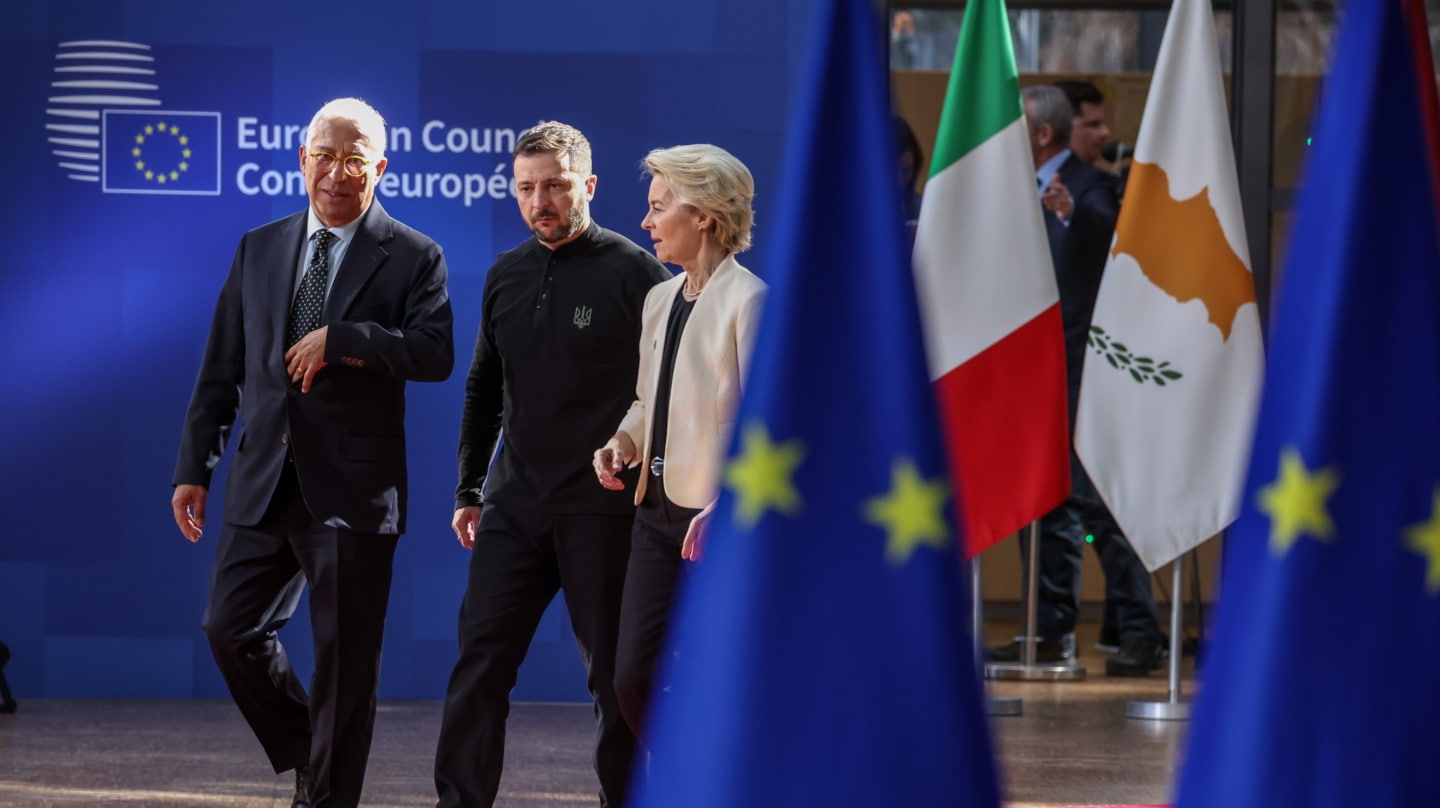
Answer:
x=712 y=181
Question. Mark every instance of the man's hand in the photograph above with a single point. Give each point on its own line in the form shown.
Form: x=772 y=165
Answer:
x=611 y=459
x=466 y=521
x=1057 y=200
x=306 y=357
x=189 y=506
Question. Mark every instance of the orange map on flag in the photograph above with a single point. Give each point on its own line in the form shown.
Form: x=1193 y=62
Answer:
x=1181 y=247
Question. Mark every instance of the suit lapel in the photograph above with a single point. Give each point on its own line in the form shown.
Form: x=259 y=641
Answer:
x=283 y=253
x=362 y=259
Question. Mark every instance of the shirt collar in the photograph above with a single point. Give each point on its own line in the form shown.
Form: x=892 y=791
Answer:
x=581 y=243
x=1049 y=169
x=343 y=234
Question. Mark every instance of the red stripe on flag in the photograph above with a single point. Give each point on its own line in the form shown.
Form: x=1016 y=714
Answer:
x=1419 y=30
x=1004 y=417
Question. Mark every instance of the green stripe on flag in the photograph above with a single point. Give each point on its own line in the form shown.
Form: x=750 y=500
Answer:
x=984 y=92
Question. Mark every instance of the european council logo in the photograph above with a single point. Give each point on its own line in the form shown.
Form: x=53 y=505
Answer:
x=160 y=152
x=106 y=125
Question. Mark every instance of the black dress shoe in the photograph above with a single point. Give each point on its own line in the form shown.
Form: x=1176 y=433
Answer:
x=7 y=701
x=1138 y=655
x=1109 y=640
x=302 y=788
x=1046 y=651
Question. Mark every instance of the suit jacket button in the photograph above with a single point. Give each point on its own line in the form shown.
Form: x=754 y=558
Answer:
x=285 y=438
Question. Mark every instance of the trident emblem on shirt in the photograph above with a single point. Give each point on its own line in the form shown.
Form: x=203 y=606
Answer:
x=582 y=316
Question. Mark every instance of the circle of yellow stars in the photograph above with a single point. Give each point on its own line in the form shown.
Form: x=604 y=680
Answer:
x=911 y=512
x=156 y=131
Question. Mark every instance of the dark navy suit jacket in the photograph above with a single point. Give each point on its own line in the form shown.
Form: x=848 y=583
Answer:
x=1080 y=252
x=389 y=319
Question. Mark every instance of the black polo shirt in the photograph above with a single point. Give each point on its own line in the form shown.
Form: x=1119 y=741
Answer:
x=555 y=366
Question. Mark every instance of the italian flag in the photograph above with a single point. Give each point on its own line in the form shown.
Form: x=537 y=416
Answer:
x=988 y=296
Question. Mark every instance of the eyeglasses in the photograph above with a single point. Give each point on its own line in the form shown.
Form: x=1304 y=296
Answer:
x=355 y=165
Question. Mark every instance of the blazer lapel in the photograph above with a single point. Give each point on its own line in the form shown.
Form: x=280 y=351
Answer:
x=284 y=254
x=362 y=259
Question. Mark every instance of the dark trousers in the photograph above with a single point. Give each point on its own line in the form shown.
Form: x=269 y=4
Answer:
x=1062 y=543
x=651 y=581
x=259 y=575
x=520 y=560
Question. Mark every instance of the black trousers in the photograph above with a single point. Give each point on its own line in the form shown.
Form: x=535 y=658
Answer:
x=1062 y=543
x=259 y=575
x=520 y=560
x=651 y=581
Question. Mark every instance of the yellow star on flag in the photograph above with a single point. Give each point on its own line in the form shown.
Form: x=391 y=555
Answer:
x=1424 y=538
x=911 y=512
x=762 y=475
x=1295 y=502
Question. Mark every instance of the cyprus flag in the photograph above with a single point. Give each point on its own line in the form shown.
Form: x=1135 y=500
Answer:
x=1172 y=375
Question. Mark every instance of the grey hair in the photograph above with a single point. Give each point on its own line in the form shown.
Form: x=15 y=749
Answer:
x=367 y=121
x=1045 y=104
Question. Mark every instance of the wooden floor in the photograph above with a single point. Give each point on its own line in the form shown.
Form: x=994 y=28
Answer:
x=1072 y=746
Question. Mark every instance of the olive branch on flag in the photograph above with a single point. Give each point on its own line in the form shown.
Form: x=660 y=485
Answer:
x=1141 y=368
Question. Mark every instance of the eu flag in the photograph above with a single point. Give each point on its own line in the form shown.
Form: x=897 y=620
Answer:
x=160 y=152
x=1320 y=688
x=820 y=651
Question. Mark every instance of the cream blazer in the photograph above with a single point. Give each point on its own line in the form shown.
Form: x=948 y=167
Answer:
x=711 y=363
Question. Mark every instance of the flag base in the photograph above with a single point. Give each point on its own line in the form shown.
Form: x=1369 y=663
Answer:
x=1005 y=706
x=1040 y=672
x=1172 y=709
x=1158 y=710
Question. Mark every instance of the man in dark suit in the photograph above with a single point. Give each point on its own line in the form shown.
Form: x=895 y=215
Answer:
x=1080 y=211
x=1088 y=137
x=324 y=317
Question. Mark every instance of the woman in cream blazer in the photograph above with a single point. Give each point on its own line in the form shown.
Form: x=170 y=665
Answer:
x=698 y=331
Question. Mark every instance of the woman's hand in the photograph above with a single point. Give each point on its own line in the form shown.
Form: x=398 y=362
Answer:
x=612 y=458
x=694 y=544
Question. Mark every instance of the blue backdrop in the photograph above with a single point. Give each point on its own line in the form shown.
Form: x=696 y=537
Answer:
x=110 y=272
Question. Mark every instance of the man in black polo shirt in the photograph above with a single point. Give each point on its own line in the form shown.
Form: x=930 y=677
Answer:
x=554 y=370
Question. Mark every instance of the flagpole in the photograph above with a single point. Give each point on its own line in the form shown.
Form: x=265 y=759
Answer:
x=1172 y=709
x=1027 y=669
x=994 y=705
